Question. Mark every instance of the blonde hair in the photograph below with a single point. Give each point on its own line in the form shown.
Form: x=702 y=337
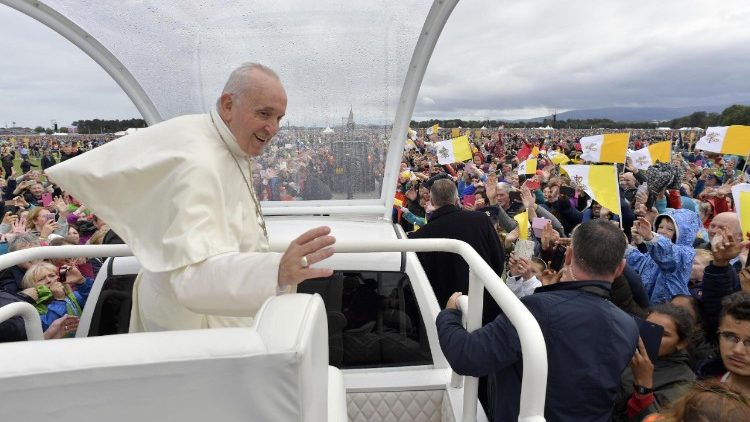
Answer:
x=33 y=214
x=29 y=278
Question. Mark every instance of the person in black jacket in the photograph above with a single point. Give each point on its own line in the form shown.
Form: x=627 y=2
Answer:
x=47 y=160
x=449 y=272
x=589 y=340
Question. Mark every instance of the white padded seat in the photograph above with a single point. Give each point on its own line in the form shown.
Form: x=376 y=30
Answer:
x=276 y=371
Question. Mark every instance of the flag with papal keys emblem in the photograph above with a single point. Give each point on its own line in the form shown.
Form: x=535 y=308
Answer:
x=733 y=139
x=527 y=167
x=741 y=196
x=608 y=148
x=454 y=150
x=599 y=182
x=432 y=130
x=644 y=158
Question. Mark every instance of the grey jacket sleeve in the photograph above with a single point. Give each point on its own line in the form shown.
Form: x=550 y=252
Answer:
x=505 y=221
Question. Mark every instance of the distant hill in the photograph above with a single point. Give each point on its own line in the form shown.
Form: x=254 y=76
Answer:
x=635 y=114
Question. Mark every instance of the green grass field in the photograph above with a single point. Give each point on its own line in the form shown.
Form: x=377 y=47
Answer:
x=32 y=160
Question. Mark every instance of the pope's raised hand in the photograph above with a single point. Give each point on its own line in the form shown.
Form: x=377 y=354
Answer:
x=311 y=247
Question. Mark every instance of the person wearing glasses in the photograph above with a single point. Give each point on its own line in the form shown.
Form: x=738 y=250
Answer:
x=734 y=341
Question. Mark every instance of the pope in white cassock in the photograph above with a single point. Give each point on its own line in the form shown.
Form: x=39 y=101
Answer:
x=180 y=194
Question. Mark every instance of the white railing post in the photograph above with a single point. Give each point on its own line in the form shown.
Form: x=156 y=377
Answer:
x=30 y=316
x=473 y=322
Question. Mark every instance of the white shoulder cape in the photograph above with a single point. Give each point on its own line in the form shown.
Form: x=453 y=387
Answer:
x=172 y=191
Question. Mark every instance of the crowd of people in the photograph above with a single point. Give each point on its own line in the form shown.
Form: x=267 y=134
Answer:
x=676 y=260
x=37 y=213
x=683 y=259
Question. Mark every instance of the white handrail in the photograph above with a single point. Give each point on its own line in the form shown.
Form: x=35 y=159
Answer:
x=481 y=276
x=534 y=379
x=30 y=316
x=70 y=251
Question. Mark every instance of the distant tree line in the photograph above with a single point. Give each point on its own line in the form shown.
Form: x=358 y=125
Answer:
x=106 y=126
x=733 y=115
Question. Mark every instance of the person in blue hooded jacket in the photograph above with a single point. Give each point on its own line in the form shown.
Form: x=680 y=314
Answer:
x=664 y=259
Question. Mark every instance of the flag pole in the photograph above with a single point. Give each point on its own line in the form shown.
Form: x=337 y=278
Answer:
x=619 y=199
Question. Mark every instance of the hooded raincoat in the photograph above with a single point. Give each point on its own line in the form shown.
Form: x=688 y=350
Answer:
x=665 y=267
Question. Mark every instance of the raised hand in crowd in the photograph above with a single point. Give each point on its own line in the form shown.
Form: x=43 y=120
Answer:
x=18 y=227
x=20 y=202
x=511 y=238
x=643 y=229
x=724 y=247
x=643 y=368
x=60 y=205
x=528 y=200
x=745 y=279
x=649 y=214
x=491 y=188
x=550 y=237
x=72 y=275
x=550 y=277
x=9 y=218
x=520 y=267
x=641 y=197
x=49 y=227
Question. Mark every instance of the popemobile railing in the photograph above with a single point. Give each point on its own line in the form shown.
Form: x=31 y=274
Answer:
x=481 y=276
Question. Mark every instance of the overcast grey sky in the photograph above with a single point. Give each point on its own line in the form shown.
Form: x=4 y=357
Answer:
x=495 y=59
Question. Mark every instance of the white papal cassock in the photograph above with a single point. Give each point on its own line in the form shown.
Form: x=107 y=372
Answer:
x=176 y=196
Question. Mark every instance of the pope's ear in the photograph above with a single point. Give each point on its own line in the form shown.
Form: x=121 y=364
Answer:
x=225 y=106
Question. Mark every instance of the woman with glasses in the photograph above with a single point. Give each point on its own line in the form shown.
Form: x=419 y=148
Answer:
x=646 y=386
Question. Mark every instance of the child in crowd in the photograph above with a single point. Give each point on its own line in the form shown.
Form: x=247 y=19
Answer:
x=648 y=386
x=703 y=257
x=665 y=259
x=523 y=275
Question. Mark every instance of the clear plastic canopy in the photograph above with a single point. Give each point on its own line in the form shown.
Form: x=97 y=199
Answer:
x=343 y=64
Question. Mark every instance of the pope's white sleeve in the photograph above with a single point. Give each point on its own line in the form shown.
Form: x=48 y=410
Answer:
x=231 y=284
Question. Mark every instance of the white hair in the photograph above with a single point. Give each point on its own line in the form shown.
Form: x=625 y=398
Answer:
x=238 y=83
x=505 y=187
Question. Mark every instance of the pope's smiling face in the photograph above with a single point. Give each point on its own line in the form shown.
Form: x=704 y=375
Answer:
x=253 y=116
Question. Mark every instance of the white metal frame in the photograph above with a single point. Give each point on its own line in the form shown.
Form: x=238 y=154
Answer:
x=431 y=30
x=30 y=316
x=91 y=46
x=534 y=380
x=438 y=15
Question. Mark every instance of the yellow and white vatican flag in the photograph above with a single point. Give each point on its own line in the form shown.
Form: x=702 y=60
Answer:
x=599 y=182
x=412 y=134
x=432 y=130
x=523 y=224
x=558 y=157
x=454 y=150
x=644 y=158
x=527 y=167
x=534 y=152
x=608 y=148
x=733 y=139
x=741 y=196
